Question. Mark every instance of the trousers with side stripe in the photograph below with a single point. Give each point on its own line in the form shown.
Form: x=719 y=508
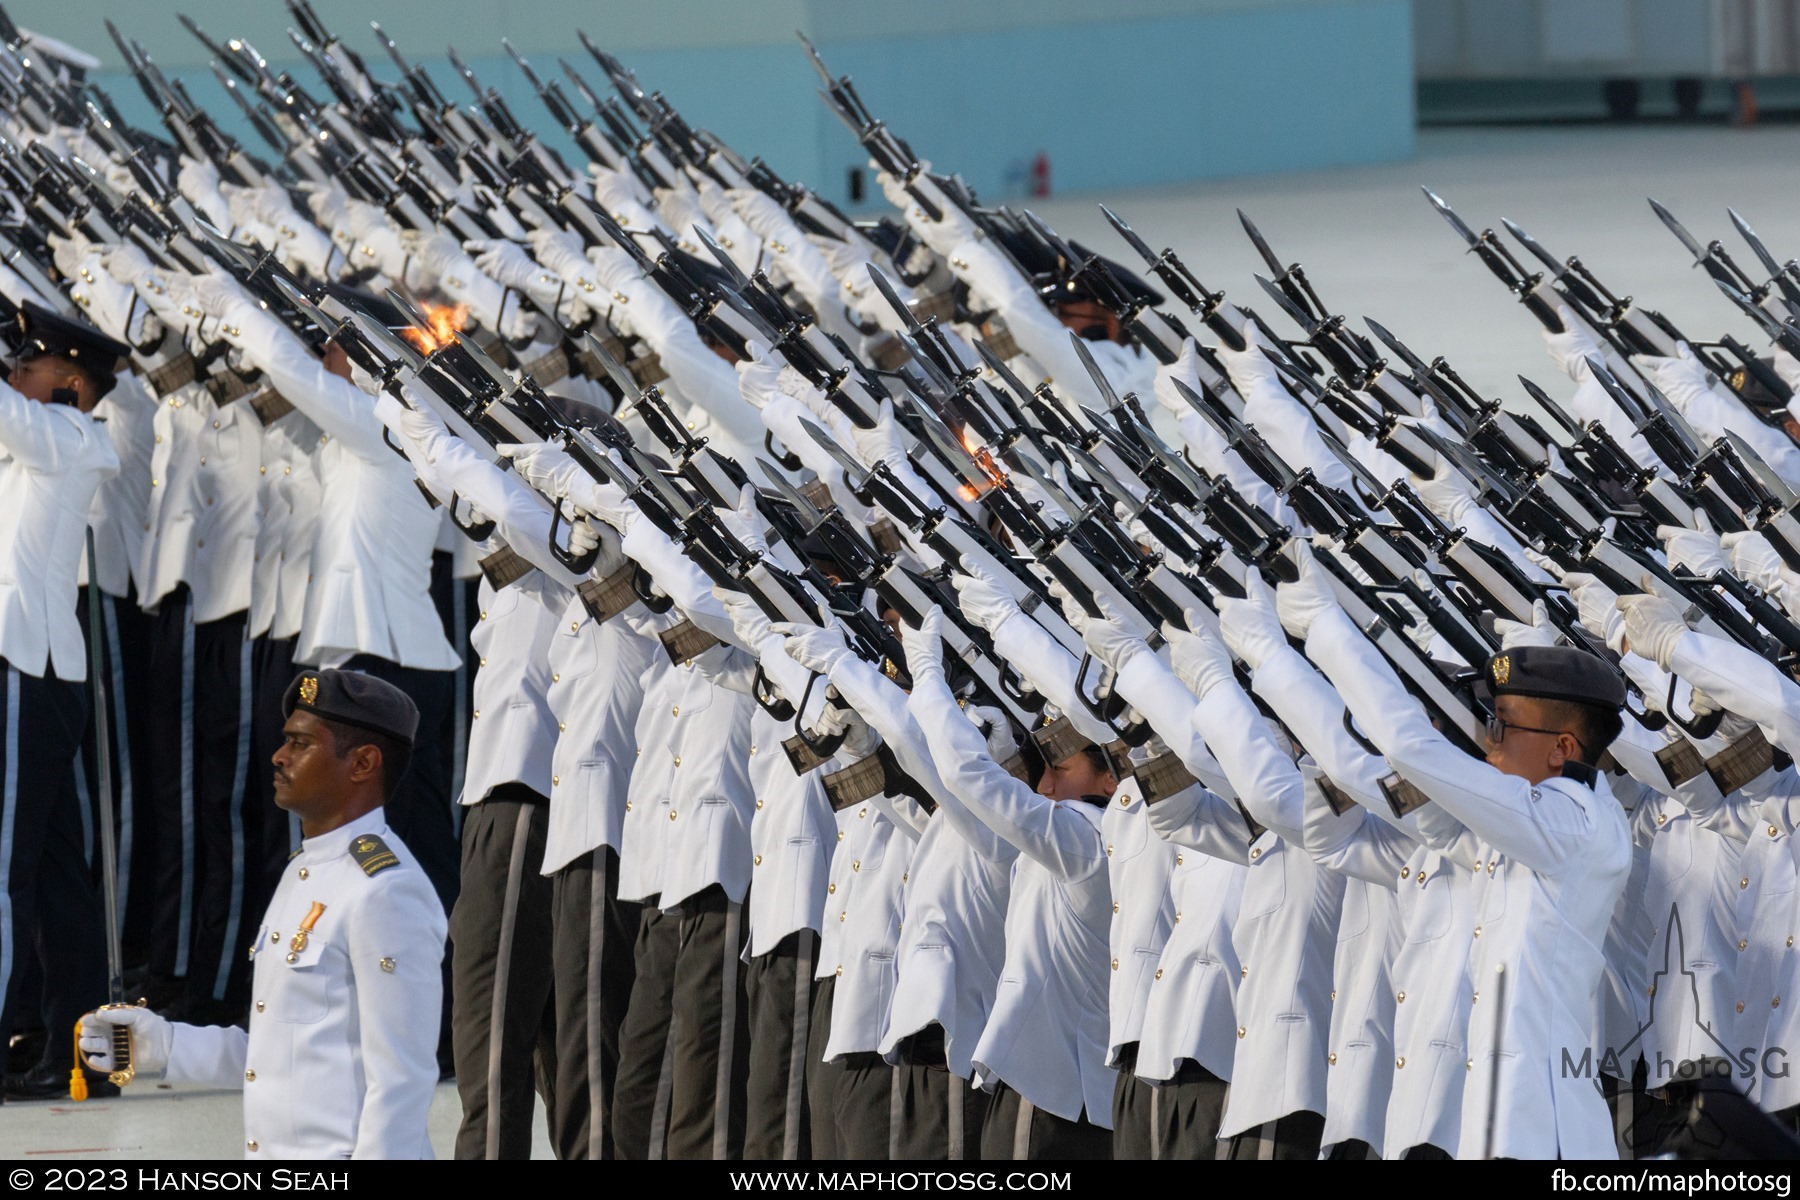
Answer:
x=937 y=1115
x=125 y=632
x=1015 y=1128
x=49 y=906
x=224 y=801
x=778 y=986
x=683 y=1055
x=592 y=933
x=502 y=1027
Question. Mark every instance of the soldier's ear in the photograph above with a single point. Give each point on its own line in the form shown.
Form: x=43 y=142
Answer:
x=365 y=763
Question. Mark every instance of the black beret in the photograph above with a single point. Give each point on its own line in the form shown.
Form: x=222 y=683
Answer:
x=353 y=698
x=43 y=333
x=1556 y=673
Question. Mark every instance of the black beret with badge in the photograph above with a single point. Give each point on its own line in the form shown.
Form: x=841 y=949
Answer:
x=353 y=698
x=1556 y=673
x=42 y=333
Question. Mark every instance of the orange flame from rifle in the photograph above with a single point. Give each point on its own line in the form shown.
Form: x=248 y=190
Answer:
x=442 y=323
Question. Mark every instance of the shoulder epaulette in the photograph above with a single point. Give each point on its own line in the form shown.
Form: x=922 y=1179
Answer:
x=372 y=854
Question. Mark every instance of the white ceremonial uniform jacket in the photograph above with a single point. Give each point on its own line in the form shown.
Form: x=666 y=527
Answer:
x=53 y=458
x=1191 y=1009
x=512 y=732
x=792 y=830
x=868 y=875
x=1046 y=1036
x=1138 y=868
x=370 y=588
x=225 y=495
x=167 y=553
x=288 y=500
x=690 y=802
x=1432 y=898
x=337 y=1062
x=952 y=940
x=129 y=411
x=1556 y=857
x=1286 y=931
x=596 y=690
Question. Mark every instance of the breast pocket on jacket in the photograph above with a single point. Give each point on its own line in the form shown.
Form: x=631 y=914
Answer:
x=304 y=984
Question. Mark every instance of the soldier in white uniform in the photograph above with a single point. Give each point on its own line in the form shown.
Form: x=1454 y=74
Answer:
x=55 y=458
x=337 y=1062
x=1559 y=850
x=1043 y=1053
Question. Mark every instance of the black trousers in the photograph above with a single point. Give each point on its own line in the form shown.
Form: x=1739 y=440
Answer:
x=52 y=909
x=125 y=632
x=592 y=932
x=938 y=1115
x=1185 y=1113
x=778 y=988
x=1133 y=1099
x=457 y=607
x=170 y=719
x=502 y=1030
x=198 y=721
x=277 y=833
x=420 y=811
x=1295 y=1136
x=218 y=968
x=1015 y=1128
x=683 y=1055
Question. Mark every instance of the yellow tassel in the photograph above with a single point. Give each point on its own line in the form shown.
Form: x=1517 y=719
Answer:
x=78 y=1078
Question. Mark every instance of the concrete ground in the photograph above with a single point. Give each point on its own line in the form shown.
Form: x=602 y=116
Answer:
x=1372 y=246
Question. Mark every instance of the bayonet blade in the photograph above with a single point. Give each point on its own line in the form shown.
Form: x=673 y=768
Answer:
x=808 y=511
x=1286 y=305
x=1449 y=214
x=1262 y=246
x=854 y=472
x=1130 y=235
x=1676 y=228
x=893 y=298
x=1101 y=382
x=1555 y=267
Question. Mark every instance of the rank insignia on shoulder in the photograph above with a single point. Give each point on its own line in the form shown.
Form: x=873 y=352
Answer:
x=372 y=854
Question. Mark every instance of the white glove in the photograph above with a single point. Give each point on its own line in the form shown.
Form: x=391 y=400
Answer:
x=815 y=647
x=620 y=193
x=1683 y=379
x=1597 y=607
x=1186 y=368
x=506 y=263
x=584 y=534
x=1446 y=494
x=1251 y=627
x=680 y=210
x=1698 y=552
x=1754 y=561
x=943 y=235
x=546 y=469
x=1652 y=627
x=198 y=180
x=1109 y=641
x=329 y=205
x=983 y=600
x=759 y=377
x=67 y=252
x=1250 y=369
x=1787 y=367
x=1540 y=632
x=151 y=1038
x=613 y=267
x=374 y=242
x=924 y=647
x=1571 y=349
x=1001 y=744
x=127 y=264
x=882 y=444
x=1306 y=599
x=1200 y=660
x=748 y=622
x=859 y=740
x=560 y=252
x=745 y=523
